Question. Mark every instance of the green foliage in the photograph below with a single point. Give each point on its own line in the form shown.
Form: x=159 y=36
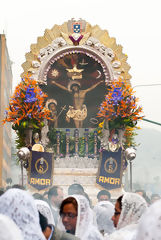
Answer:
x=20 y=130
x=119 y=122
x=53 y=142
x=130 y=134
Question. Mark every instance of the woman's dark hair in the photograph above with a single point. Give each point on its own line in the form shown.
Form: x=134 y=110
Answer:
x=67 y=201
x=119 y=200
x=43 y=222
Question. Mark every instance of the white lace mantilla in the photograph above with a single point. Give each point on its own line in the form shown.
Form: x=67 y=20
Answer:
x=150 y=223
x=104 y=211
x=44 y=208
x=85 y=228
x=20 y=207
x=133 y=206
x=8 y=229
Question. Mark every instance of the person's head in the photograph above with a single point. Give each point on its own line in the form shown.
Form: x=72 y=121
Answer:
x=140 y=192
x=38 y=196
x=117 y=212
x=154 y=198
x=129 y=209
x=19 y=205
x=103 y=195
x=77 y=218
x=68 y=213
x=44 y=208
x=45 y=194
x=52 y=106
x=143 y=194
x=104 y=211
x=75 y=188
x=55 y=196
x=75 y=87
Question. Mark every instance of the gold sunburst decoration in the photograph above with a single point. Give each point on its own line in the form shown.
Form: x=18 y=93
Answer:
x=64 y=31
x=55 y=73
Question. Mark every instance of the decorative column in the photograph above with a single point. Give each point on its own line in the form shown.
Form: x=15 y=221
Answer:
x=67 y=141
x=57 y=143
x=95 y=144
x=76 y=140
x=86 y=133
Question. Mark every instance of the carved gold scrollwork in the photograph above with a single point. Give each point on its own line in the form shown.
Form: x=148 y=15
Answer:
x=57 y=38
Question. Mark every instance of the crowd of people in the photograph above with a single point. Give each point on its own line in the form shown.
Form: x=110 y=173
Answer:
x=26 y=216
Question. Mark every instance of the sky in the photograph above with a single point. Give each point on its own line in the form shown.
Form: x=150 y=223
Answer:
x=134 y=24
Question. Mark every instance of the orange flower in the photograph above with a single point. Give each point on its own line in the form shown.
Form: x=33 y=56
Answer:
x=27 y=103
x=120 y=103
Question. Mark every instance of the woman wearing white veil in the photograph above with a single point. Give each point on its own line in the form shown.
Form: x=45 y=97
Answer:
x=20 y=207
x=127 y=215
x=8 y=229
x=150 y=223
x=44 y=208
x=104 y=211
x=77 y=218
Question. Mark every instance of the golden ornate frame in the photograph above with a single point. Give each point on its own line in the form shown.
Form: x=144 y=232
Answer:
x=101 y=42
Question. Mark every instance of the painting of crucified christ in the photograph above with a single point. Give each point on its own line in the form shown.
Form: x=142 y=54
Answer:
x=77 y=82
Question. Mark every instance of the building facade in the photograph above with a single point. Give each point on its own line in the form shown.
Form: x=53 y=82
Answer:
x=5 y=130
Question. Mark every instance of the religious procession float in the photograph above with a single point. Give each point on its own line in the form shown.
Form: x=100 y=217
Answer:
x=74 y=111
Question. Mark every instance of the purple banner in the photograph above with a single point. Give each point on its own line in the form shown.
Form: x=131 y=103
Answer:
x=40 y=171
x=110 y=170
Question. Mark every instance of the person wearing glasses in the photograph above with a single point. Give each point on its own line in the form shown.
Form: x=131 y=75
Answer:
x=53 y=233
x=128 y=210
x=77 y=218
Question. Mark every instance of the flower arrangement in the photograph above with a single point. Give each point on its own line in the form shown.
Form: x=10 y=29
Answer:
x=120 y=106
x=26 y=107
x=120 y=113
